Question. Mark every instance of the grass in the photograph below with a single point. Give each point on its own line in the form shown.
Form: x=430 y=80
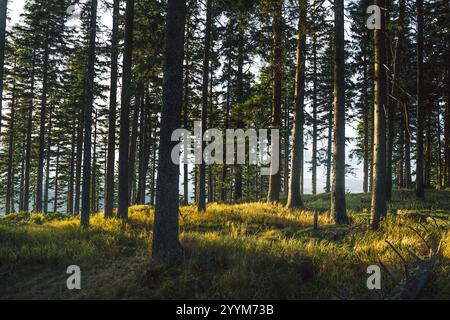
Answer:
x=242 y=251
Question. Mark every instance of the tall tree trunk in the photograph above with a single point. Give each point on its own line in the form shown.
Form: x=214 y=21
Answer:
x=26 y=196
x=132 y=151
x=447 y=123
x=88 y=107
x=41 y=154
x=338 y=206
x=94 y=167
x=125 y=112
x=314 y=119
x=110 y=161
x=185 y=111
x=144 y=148
x=56 y=191
x=3 y=11
x=366 y=126
x=420 y=193
x=10 y=174
x=390 y=105
x=379 y=145
x=237 y=195
x=223 y=187
x=166 y=245
x=201 y=206
x=277 y=69
x=47 y=162
x=329 y=151
x=79 y=157
x=397 y=82
x=70 y=191
x=294 y=199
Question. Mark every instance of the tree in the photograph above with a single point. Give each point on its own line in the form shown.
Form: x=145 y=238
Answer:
x=420 y=192
x=127 y=93
x=3 y=10
x=294 y=196
x=166 y=245
x=277 y=69
x=109 y=183
x=88 y=101
x=205 y=85
x=378 y=209
x=338 y=206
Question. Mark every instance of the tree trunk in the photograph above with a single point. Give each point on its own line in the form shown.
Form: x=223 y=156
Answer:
x=166 y=245
x=41 y=153
x=447 y=124
x=277 y=66
x=390 y=105
x=110 y=161
x=379 y=145
x=70 y=191
x=314 y=107
x=55 y=199
x=237 y=195
x=88 y=107
x=329 y=151
x=47 y=162
x=338 y=206
x=10 y=179
x=127 y=92
x=26 y=196
x=201 y=206
x=132 y=152
x=366 y=126
x=420 y=193
x=3 y=11
x=294 y=199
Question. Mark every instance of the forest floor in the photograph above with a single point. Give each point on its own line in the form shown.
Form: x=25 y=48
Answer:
x=242 y=251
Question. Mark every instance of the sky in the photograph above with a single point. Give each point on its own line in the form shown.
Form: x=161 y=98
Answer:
x=353 y=182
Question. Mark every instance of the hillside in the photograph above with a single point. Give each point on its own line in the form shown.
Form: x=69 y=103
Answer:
x=240 y=251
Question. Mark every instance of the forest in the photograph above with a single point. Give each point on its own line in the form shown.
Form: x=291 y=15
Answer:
x=355 y=96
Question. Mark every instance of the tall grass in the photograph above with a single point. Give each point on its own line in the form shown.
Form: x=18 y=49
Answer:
x=243 y=251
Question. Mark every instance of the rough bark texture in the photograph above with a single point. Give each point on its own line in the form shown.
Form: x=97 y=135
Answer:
x=26 y=194
x=378 y=209
x=127 y=92
x=314 y=106
x=277 y=65
x=43 y=116
x=166 y=244
x=420 y=193
x=3 y=10
x=294 y=195
x=338 y=206
x=89 y=99
x=110 y=161
x=201 y=206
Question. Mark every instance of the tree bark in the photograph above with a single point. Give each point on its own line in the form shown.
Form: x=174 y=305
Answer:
x=294 y=195
x=124 y=139
x=277 y=66
x=378 y=209
x=314 y=111
x=43 y=116
x=3 y=11
x=10 y=179
x=88 y=107
x=26 y=196
x=338 y=205
x=420 y=193
x=166 y=245
x=201 y=205
x=110 y=161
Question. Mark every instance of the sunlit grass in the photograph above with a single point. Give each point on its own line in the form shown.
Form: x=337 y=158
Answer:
x=250 y=250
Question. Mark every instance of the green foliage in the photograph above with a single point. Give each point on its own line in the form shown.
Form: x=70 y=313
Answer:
x=243 y=251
